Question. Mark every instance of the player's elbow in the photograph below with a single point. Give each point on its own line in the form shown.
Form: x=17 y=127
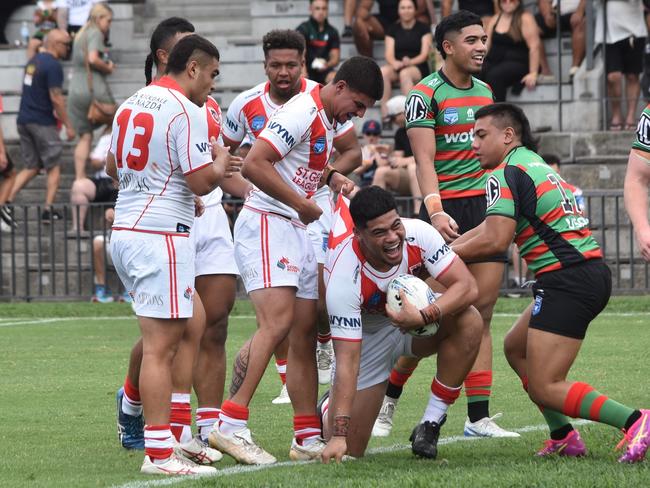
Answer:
x=470 y=295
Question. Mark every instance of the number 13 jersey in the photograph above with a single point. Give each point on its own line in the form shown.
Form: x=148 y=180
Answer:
x=159 y=136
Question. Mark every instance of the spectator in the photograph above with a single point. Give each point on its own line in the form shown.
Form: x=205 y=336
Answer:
x=483 y=8
x=101 y=188
x=513 y=50
x=398 y=173
x=572 y=19
x=368 y=27
x=102 y=258
x=89 y=55
x=373 y=154
x=42 y=96
x=44 y=21
x=407 y=46
x=71 y=15
x=626 y=34
x=323 y=47
x=7 y=178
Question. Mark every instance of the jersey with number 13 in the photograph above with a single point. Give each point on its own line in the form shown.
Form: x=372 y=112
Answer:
x=158 y=137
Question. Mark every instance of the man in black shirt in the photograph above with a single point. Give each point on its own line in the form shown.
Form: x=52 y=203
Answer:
x=322 y=40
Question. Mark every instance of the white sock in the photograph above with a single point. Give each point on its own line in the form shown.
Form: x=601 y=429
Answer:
x=436 y=408
x=229 y=425
x=131 y=407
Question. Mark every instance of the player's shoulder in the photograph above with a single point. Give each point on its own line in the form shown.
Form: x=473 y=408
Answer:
x=342 y=257
x=417 y=229
x=428 y=85
x=249 y=95
x=480 y=85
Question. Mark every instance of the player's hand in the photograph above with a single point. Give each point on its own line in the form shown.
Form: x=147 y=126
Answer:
x=409 y=317
x=643 y=238
x=341 y=184
x=308 y=211
x=199 y=207
x=223 y=159
x=447 y=226
x=3 y=160
x=70 y=132
x=335 y=450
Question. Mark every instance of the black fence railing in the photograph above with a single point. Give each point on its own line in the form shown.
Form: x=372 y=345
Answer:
x=47 y=260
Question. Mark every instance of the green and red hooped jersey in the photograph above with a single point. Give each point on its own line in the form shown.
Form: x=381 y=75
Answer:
x=435 y=103
x=642 y=140
x=551 y=231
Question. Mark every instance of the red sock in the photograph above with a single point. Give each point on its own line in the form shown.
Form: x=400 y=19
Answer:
x=400 y=379
x=180 y=417
x=158 y=441
x=281 y=367
x=233 y=417
x=306 y=428
x=131 y=391
x=478 y=384
x=323 y=338
x=205 y=420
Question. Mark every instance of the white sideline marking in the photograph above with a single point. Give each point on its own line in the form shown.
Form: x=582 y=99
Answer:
x=241 y=469
x=18 y=321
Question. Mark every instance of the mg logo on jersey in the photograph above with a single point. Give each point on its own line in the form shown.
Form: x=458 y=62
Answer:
x=319 y=145
x=283 y=133
x=450 y=115
x=643 y=130
x=258 y=122
x=462 y=137
x=492 y=190
x=416 y=108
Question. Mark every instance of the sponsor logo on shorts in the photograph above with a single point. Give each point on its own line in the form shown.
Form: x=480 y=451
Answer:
x=258 y=122
x=144 y=298
x=450 y=115
x=284 y=264
x=537 y=307
x=188 y=293
x=345 y=322
x=249 y=274
x=319 y=145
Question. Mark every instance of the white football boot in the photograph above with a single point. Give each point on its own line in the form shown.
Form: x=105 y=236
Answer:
x=487 y=427
x=306 y=453
x=324 y=360
x=283 y=397
x=198 y=452
x=384 y=423
x=240 y=445
x=175 y=465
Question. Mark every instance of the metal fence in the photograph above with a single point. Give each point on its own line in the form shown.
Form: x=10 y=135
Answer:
x=48 y=261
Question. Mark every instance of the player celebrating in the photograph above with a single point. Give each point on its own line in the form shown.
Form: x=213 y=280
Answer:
x=358 y=272
x=247 y=116
x=637 y=182
x=439 y=120
x=528 y=200
x=161 y=155
x=287 y=163
x=215 y=282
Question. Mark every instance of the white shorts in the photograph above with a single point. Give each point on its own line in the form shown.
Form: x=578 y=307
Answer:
x=157 y=270
x=380 y=350
x=272 y=251
x=215 y=252
x=319 y=230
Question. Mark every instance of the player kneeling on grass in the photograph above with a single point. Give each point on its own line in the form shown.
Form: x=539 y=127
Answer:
x=528 y=200
x=368 y=337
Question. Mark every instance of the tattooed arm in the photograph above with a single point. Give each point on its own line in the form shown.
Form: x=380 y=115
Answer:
x=348 y=356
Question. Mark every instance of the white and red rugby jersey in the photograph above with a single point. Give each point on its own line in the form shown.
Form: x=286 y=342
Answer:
x=213 y=112
x=158 y=137
x=356 y=292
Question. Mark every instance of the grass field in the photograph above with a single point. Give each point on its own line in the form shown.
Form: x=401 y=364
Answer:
x=61 y=364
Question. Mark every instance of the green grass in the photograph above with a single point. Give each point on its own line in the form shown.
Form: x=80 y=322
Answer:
x=59 y=378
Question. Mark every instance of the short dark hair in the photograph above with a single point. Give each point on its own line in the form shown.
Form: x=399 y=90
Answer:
x=160 y=36
x=509 y=115
x=454 y=23
x=283 y=39
x=362 y=74
x=187 y=49
x=369 y=203
x=551 y=158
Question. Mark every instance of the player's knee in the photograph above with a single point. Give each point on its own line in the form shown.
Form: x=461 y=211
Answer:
x=536 y=392
x=216 y=333
x=511 y=348
x=470 y=328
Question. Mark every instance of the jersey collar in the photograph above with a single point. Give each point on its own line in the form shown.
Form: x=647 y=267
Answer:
x=168 y=82
x=448 y=81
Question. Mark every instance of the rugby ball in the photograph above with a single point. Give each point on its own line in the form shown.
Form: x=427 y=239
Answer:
x=418 y=293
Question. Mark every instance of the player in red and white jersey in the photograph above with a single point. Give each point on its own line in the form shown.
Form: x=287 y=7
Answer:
x=275 y=258
x=367 y=341
x=247 y=117
x=161 y=155
x=215 y=278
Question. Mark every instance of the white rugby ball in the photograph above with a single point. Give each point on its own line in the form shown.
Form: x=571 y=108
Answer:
x=418 y=293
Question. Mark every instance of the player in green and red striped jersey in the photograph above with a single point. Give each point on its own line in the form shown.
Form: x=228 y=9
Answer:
x=528 y=200
x=440 y=125
x=637 y=182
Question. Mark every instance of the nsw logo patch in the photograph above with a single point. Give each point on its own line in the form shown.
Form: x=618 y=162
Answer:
x=258 y=122
x=450 y=115
x=319 y=145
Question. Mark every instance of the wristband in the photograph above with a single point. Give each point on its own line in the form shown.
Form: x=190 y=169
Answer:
x=329 y=176
x=341 y=426
x=431 y=314
x=433 y=203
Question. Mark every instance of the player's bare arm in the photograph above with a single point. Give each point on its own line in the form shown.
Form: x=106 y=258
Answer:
x=347 y=146
x=206 y=179
x=348 y=357
x=111 y=166
x=637 y=181
x=258 y=168
x=492 y=237
x=461 y=292
x=424 y=151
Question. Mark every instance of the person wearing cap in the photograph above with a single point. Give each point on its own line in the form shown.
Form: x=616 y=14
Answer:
x=397 y=173
x=373 y=153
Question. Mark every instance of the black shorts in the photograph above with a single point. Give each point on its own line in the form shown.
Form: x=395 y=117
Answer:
x=625 y=56
x=567 y=300
x=482 y=8
x=6 y=173
x=549 y=32
x=106 y=191
x=468 y=213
